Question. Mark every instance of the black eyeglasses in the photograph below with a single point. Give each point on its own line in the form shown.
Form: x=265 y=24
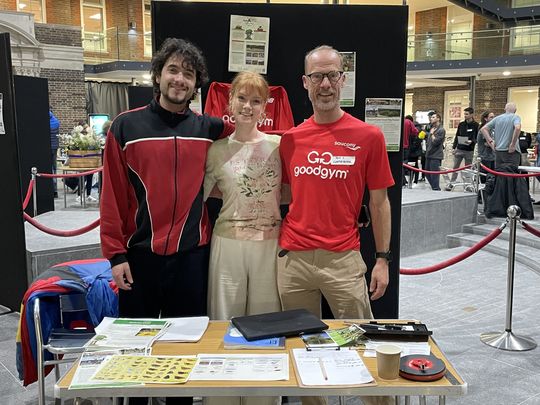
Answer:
x=318 y=77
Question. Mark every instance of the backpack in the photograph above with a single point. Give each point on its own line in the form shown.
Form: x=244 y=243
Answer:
x=415 y=146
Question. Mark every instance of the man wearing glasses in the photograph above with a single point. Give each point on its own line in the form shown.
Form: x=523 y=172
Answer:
x=328 y=161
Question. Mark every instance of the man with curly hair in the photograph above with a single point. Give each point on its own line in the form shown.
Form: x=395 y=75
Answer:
x=154 y=225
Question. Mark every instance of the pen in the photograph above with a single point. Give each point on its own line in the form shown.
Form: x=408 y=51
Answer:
x=323 y=369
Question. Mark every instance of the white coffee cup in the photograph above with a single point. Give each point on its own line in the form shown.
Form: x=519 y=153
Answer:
x=388 y=357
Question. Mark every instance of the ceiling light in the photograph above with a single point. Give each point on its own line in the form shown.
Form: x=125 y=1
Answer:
x=21 y=6
x=96 y=16
x=146 y=76
x=408 y=84
x=411 y=27
x=146 y=81
x=506 y=73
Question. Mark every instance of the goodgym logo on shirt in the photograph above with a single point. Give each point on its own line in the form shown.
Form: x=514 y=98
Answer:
x=319 y=165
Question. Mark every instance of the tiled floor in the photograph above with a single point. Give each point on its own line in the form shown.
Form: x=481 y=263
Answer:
x=458 y=304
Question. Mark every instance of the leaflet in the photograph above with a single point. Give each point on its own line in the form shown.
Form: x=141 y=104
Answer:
x=88 y=365
x=184 y=329
x=407 y=348
x=331 y=367
x=241 y=367
x=146 y=369
x=114 y=333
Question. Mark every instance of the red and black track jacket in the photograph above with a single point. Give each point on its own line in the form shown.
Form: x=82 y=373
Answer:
x=154 y=163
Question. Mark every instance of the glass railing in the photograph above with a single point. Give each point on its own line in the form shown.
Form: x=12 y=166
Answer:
x=474 y=45
x=115 y=45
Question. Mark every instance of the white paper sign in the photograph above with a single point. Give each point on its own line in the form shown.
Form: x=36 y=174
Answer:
x=248 y=43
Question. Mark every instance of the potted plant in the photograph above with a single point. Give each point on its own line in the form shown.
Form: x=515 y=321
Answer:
x=83 y=147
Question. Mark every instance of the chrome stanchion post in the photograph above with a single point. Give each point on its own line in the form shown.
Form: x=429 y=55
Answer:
x=507 y=340
x=477 y=186
x=34 y=189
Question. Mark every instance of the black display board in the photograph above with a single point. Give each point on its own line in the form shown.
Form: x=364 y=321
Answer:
x=12 y=241
x=139 y=96
x=377 y=34
x=34 y=138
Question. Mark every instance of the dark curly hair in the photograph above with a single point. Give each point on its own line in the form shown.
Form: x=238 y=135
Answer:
x=192 y=55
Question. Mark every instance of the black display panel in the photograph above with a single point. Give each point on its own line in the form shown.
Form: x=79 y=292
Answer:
x=378 y=35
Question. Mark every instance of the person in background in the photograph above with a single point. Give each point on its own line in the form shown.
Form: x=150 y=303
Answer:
x=485 y=153
x=415 y=152
x=87 y=179
x=501 y=134
x=434 y=150
x=54 y=125
x=409 y=131
x=525 y=141
x=463 y=147
x=245 y=170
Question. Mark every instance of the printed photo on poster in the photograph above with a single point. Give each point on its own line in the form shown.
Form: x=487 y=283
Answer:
x=248 y=43
x=347 y=96
x=385 y=113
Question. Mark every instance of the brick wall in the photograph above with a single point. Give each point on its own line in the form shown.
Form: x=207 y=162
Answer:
x=8 y=5
x=430 y=22
x=66 y=96
x=58 y=34
x=60 y=12
x=119 y=14
x=484 y=45
x=431 y=98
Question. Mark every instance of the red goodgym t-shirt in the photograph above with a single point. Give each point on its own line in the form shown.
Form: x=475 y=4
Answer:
x=328 y=167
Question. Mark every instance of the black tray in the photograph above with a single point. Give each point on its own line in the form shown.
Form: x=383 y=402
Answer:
x=410 y=331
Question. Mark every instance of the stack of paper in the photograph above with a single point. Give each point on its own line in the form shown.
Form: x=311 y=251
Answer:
x=184 y=329
x=242 y=367
x=114 y=333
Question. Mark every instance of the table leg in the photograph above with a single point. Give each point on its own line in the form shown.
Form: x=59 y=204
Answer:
x=442 y=400
x=422 y=400
x=65 y=189
x=407 y=400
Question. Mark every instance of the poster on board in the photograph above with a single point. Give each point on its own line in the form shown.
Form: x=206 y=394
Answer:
x=385 y=113
x=248 y=43
x=348 y=95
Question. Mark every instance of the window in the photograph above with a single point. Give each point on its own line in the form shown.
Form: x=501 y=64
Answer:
x=93 y=25
x=525 y=38
x=36 y=7
x=526 y=99
x=147 y=28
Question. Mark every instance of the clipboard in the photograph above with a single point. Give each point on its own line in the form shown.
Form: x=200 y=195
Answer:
x=298 y=375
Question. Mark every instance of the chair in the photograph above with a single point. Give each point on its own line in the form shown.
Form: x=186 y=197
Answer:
x=62 y=340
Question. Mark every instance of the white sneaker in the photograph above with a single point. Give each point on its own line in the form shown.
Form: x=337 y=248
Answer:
x=78 y=199
x=91 y=199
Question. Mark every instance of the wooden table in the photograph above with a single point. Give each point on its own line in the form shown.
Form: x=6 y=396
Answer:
x=212 y=342
x=82 y=190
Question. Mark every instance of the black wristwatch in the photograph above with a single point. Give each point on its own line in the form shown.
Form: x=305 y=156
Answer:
x=384 y=255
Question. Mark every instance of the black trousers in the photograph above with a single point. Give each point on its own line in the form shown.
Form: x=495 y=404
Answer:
x=166 y=286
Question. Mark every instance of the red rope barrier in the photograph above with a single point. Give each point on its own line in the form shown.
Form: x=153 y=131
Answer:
x=530 y=229
x=28 y=194
x=436 y=172
x=50 y=176
x=55 y=232
x=504 y=174
x=473 y=249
